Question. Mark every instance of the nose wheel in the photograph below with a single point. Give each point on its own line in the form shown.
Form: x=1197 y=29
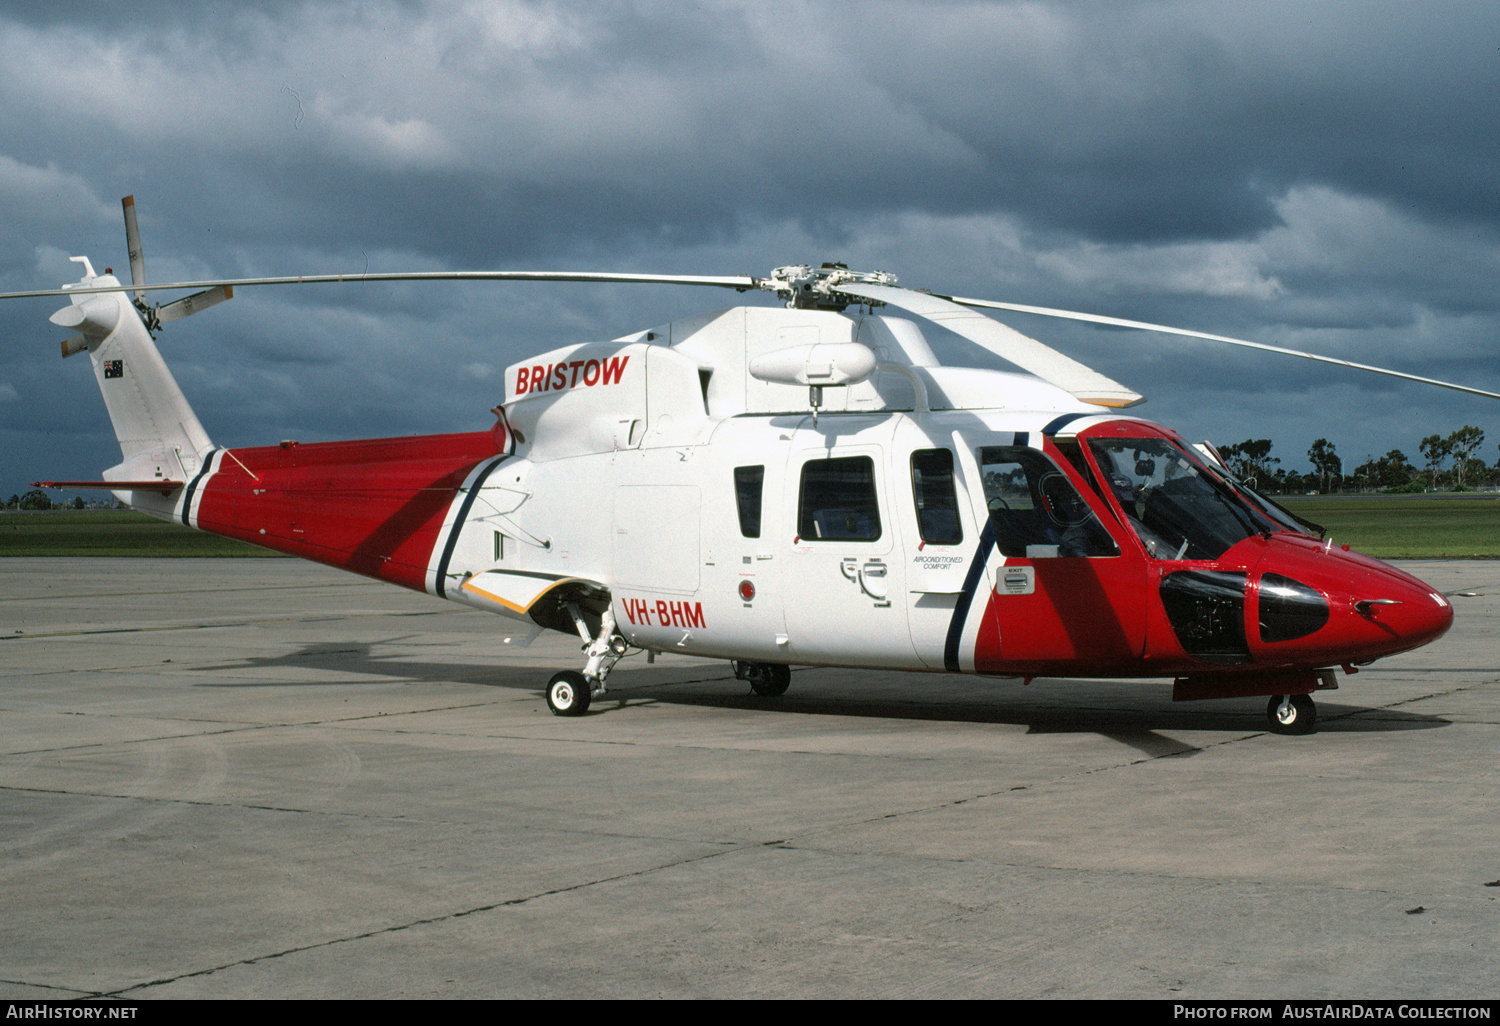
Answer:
x=1292 y=714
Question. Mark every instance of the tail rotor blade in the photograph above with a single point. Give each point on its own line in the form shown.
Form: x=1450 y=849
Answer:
x=192 y=304
x=133 y=244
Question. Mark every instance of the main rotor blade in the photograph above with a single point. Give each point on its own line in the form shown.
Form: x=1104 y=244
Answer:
x=1120 y=322
x=1005 y=342
x=739 y=282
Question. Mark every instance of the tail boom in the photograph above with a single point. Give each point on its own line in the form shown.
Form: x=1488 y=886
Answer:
x=380 y=507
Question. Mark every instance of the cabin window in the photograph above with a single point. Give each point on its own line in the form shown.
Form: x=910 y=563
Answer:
x=749 y=482
x=936 y=497
x=837 y=500
x=1035 y=510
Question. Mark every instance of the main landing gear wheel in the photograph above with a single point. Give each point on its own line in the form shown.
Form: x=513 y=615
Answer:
x=766 y=679
x=1292 y=714
x=568 y=694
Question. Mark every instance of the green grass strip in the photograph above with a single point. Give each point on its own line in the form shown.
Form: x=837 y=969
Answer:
x=1408 y=526
x=110 y=532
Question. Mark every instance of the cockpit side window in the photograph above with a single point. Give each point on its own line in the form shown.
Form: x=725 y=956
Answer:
x=1171 y=503
x=1070 y=448
x=1034 y=509
x=837 y=501
x=936 y=498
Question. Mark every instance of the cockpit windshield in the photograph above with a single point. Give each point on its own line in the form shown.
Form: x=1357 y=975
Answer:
x=1177 y=509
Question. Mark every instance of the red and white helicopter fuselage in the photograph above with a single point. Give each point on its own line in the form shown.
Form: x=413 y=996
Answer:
x=798 y=486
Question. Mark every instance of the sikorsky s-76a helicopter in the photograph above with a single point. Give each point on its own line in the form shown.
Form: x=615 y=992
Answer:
x=797 y=485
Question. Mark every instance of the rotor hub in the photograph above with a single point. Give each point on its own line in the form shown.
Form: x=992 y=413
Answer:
x=805 y=287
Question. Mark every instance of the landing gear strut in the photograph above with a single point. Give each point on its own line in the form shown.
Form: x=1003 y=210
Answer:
x=569 y=692
x=1292 y=714
x=767 y=679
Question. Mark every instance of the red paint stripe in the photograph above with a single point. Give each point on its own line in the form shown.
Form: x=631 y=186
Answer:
x=373 y=506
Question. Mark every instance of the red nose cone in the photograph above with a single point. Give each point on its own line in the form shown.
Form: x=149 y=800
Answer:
x=1395 y=612
x=1320 y=605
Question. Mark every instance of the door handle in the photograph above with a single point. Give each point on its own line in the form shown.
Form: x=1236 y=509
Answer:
x=872 y=581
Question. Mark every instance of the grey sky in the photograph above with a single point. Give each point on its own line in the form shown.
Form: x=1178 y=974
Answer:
x=1316 y=175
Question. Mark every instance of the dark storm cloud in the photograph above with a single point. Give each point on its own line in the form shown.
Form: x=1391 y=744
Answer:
x=1117 y=122
x=1170 y=120
x=1317 y=175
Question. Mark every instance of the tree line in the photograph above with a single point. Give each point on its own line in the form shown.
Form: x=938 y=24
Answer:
x=1450 y=463
x=38 y=499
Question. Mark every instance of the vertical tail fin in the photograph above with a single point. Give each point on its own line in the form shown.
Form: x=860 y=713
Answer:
x=158 y=432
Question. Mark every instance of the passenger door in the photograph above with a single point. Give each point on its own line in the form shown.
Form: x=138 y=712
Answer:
x=941 y=536
x=845 y=594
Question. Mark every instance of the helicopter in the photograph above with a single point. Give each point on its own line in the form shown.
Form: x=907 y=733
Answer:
x=800 y=485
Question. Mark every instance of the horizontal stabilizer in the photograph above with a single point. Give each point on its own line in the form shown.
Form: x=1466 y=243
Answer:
x=95 y=317
x=157 y=485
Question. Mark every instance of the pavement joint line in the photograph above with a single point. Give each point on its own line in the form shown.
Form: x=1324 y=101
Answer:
x=159 y=800
x=427 y=921
x=135 y=740
x=241 y=728
x=884 y=756
x=45 y=986
x=1394 y=705
x=190 y=591
x=374 y=817
x=1092 y=770
x=952 y=803
x=1058 y=779
x=1450 y=895
x=793 y=844
x=258 y=622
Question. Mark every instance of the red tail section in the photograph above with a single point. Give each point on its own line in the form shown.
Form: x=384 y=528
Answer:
x=375 y=507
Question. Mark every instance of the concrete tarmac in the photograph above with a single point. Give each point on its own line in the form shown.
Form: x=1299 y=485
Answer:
x=263 y=778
